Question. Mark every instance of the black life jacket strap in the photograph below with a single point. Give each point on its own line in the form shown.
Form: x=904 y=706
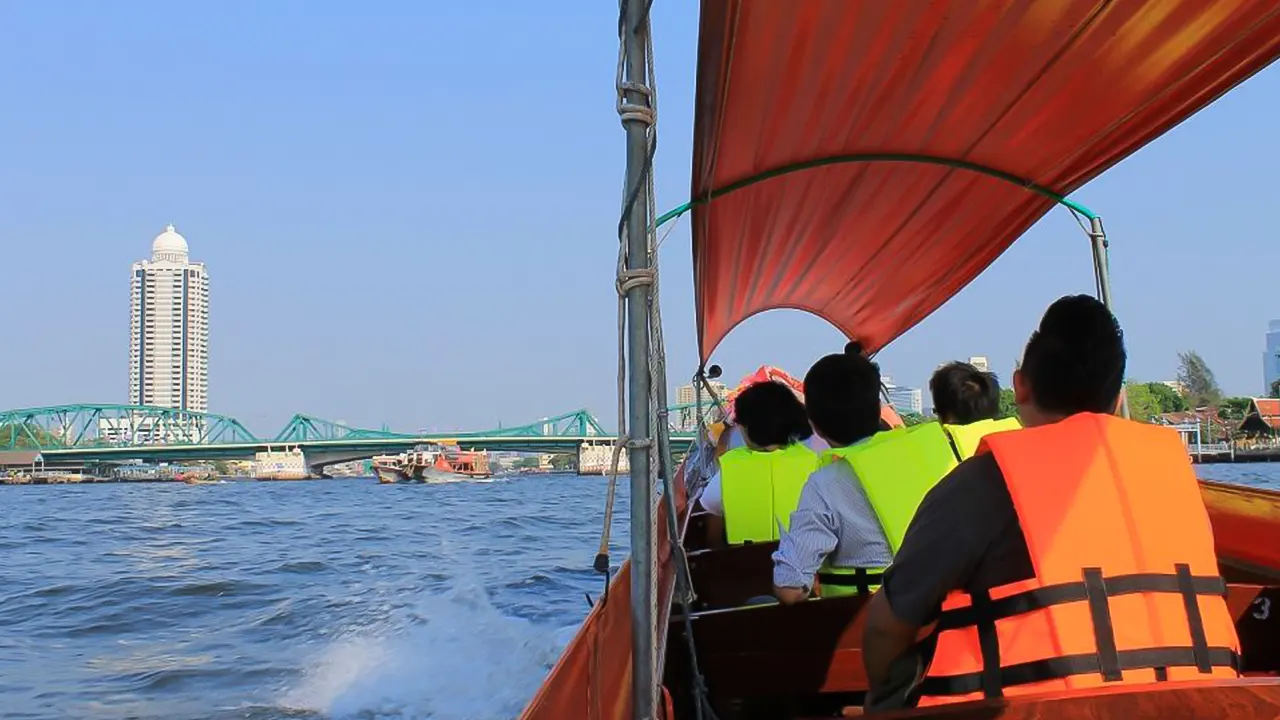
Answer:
x=1062 y=593
x=1195 y=621
x=860 y=578
x=989 y=646
x=1158 y=659
x=1104 y=633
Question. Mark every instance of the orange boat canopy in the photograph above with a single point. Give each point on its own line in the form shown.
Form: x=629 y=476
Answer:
x=865 y=160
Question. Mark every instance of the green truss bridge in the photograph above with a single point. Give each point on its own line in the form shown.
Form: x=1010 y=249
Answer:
x=81 y=435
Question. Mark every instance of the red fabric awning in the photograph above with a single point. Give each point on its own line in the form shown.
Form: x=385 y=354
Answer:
x=1051 y=92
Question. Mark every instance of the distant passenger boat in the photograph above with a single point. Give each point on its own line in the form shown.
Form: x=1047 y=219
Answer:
x=423 y=464
x=280 y=465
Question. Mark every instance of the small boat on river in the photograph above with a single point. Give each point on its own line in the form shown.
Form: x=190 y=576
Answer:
x=431 y=464
x=865 y=161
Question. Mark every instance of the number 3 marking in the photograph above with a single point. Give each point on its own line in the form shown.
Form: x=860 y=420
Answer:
x=1264 y=608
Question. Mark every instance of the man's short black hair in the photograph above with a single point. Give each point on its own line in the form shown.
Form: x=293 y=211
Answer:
x=771 y=414
x=842 y=396
x=963 y=394
x=1075 y=360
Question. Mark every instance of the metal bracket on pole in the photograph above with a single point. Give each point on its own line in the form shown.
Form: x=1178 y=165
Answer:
x=699 y=416
x=1102 y=276
x=704 y=378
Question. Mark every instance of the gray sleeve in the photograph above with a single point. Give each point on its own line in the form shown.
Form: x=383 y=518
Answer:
x=815 y=530
x=955 y=525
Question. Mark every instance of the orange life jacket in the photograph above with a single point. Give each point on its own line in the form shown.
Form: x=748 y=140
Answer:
x=1127 y=588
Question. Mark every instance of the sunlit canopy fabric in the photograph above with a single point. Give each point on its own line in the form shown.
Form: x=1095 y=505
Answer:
x=1051 y=92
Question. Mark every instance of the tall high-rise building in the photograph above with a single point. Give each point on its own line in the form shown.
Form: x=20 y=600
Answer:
x=1271 y=357
x=169 y=336
x=980 y=362
x=687 y=418
x=903 y=399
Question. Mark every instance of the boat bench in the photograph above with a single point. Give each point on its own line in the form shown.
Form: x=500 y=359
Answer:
x=728 y=577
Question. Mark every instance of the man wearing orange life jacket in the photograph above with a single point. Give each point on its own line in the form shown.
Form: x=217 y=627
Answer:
x=1075 y=553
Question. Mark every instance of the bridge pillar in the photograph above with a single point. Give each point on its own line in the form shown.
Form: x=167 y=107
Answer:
x=317 y=460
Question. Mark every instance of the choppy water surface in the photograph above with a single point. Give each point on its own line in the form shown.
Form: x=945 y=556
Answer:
x=326 y=599
x=333 y=598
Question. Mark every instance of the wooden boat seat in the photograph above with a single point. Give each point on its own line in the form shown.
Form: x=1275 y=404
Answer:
x=695 y=531
x=781 y=653
x=728 y=577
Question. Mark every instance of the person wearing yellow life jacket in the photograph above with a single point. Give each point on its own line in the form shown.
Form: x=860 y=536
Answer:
x=1074 y=553
x=967 y=403
x=758 y=484
x=834 y=528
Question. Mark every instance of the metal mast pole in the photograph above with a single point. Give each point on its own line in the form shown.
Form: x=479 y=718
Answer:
x=1102 y=274
x=637 y=224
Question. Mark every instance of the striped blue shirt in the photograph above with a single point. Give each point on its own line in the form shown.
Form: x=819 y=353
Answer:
x=835 y=519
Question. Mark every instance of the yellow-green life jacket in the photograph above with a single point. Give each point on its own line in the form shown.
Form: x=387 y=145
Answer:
x=966 y=438
x=761 y=489
x=895 y=468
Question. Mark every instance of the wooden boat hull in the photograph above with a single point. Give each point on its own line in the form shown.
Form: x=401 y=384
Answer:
x=1246 y=528
x=774 y=661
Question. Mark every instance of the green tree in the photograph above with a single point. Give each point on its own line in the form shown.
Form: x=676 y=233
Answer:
x=910 y=418
x=1008 y=407
x=564 y=462
x=1201 y=387
x=26 y=437
x=1275 y=389
x=1167 y=399
x=1233 y=409
x=1143 y=405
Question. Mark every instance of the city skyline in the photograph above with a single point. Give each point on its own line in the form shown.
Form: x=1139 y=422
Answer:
x=359 y=183
x=169 y=328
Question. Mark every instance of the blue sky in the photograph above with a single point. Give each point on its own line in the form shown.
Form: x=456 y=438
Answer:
x=408 y=208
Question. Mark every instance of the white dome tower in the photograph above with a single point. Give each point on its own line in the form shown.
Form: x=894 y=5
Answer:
x=170 y=246
x=169 y=329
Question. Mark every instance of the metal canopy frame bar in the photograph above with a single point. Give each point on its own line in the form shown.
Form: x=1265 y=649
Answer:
x=870 y=158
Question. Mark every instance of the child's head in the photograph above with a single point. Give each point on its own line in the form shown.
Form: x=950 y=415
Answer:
x=770 y=415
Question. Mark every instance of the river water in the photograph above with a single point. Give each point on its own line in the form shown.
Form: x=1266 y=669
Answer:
x=324 y=599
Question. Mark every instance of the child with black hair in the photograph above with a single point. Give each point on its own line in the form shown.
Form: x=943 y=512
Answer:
x=834 y=525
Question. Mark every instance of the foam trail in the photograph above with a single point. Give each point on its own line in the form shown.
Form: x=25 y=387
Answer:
x=457 y=659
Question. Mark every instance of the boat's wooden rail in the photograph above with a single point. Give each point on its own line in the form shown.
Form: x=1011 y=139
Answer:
x=1246 y=529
